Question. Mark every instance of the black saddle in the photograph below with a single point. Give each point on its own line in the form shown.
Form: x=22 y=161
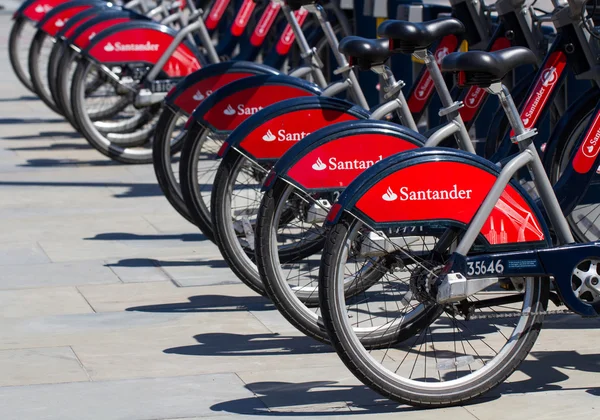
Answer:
x=364 y=52
x=483 y=68
x=296 y=4
x=407 y=37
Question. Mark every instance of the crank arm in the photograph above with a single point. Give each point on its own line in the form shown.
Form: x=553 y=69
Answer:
x=147 y=98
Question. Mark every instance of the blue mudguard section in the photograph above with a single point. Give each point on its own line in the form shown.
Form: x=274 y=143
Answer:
x=334 y=132
x=250 y=83
x=141 y=25
x=94 y=11
x=216 y=69
x=290 y=105
x=65 y=6
x=111 y=13
x=364 y=182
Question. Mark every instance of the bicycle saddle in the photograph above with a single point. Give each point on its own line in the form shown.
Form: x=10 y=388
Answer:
x=407 y=37
x=365 y=52
x=484 y=68
x=296 y=4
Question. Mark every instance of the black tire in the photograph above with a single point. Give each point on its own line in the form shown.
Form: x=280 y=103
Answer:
x=370 y=367
x=290 y=278
x=18 y=47
x=200 y=145
x=237 y=252
x=163 y=153
x=67 y=64
x=278 y=289
x=58 y=51
x=39 y=55
x=129 y=145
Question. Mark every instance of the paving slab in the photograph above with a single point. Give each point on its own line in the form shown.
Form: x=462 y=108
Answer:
x=46 y=301
x=40 y=366
x=134 y=399
x=56 y=274
x=22 y=253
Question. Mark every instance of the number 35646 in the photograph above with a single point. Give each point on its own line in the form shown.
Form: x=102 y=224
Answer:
x=478 y=268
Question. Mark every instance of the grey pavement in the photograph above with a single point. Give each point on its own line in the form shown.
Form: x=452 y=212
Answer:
x=114 y=307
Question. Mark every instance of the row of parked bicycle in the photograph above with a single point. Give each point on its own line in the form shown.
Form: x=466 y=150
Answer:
x=363 y=231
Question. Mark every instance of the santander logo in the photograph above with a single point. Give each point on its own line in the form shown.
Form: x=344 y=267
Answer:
x=590 y=146
x=549 y=76
x=198 y=96
x=241 y=109
x=60 y=23
x=406 y=194
x=441 y=53
x=43 y=8
x=269 y=136
x=283 y=135
x=333 y=164
x=117 y=46
x=319 y=165
x=389 y=195
x=474 y=97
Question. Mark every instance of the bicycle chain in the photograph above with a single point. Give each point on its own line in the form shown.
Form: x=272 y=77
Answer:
x=519 y=314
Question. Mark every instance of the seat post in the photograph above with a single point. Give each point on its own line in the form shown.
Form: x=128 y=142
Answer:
x=340 y=58
x=509 y=107
x=306 y=52
x=451 y=108
x=393 y=88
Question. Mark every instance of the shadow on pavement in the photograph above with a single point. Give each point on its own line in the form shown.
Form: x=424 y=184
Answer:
x=30 y=120
x=122 y=236
x=47 y=134
x=227 y=344
x=20 y=98
x=282 y=398
x=544 y=374
x=134 y=190
x=210 y=303
x=149 y=262
x=52 y=163
x=53 y=146
x=315 y=398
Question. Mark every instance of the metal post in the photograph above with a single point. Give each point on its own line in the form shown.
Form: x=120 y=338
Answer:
x=305 y=49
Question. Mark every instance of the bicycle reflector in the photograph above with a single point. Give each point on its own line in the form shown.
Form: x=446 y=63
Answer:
x=188 y=123
x=333 y=212
x=461 y=78
x=270 y=178
x=223 y=149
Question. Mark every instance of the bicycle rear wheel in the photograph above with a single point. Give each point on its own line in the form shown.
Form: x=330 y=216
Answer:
x=168 y=141
x=39 y=58
x=105 y=114
x=197 y=168
x=19 y=41
x=451 y=359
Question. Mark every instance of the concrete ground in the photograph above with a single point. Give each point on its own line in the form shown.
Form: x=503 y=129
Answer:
x=114 y=307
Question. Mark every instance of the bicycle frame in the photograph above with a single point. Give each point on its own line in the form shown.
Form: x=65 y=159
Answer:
x=572 y=49
x=541 y=262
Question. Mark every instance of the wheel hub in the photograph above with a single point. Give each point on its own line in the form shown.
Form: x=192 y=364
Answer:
x=585 y=281
x=422 y=279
